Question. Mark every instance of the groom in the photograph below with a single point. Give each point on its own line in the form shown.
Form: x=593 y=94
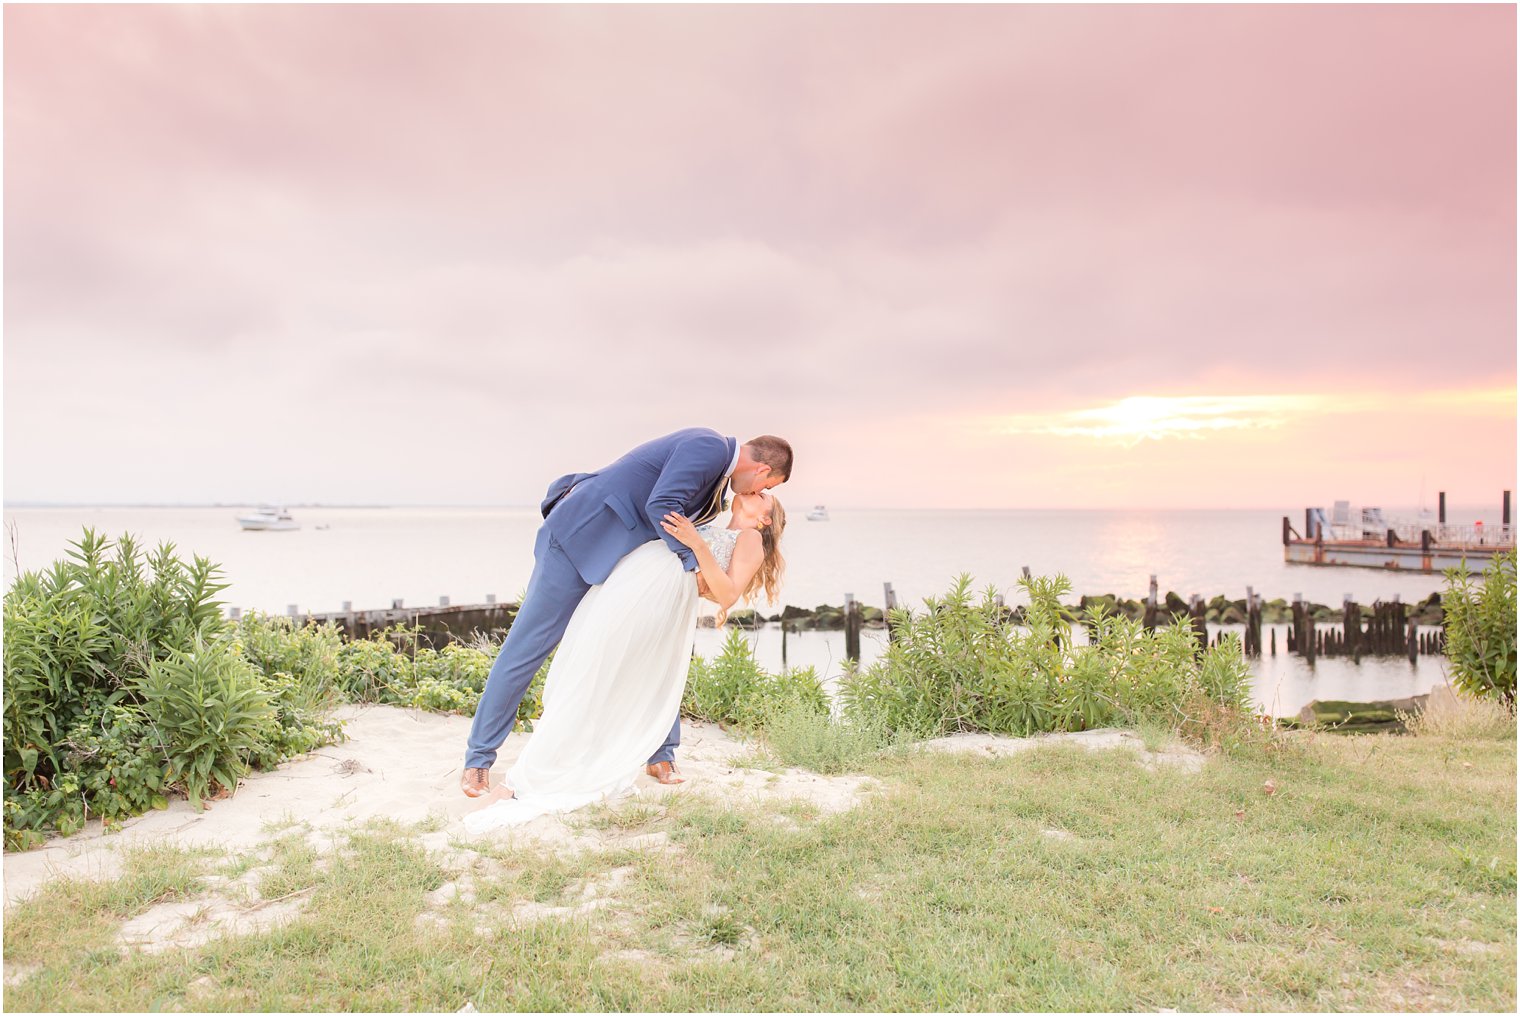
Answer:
x=591 y=520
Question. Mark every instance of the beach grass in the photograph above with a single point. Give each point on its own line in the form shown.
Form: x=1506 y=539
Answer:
x=1312 y=873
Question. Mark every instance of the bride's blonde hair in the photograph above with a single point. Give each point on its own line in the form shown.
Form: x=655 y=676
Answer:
x=768 y=575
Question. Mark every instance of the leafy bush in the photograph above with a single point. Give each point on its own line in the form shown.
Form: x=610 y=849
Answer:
x=372 y=669
x=1480 y=629
x=123 y=680
x=393 y=667
x=299 y=666
x=798 y=734
x=962 y=665
x=733 y=689
x=298 y=723
x=212 y=714
x=78 y=636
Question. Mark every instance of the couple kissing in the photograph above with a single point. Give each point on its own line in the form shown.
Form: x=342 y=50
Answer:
x=620 y=561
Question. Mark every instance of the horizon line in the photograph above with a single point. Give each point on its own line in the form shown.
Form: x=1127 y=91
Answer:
x=7 y=505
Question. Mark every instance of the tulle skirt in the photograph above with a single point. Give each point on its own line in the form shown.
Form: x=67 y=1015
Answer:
x=611 y=694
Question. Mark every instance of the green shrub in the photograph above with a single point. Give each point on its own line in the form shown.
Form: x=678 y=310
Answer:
x=734 y=690
x=392 y=666
x=963 y=665
x=211 y=712
x=298 y=724
x=796 y=733
x=299 y=669
x=78 y=636
x=373 y=669
x=119 y=762
x=1480 y=629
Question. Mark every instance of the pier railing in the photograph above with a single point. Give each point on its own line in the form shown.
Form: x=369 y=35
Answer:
x=1441 y=534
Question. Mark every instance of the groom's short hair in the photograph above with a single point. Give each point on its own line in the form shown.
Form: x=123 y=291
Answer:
x=772 y=451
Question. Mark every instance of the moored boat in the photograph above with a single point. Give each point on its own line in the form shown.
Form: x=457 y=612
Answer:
x=268 y=517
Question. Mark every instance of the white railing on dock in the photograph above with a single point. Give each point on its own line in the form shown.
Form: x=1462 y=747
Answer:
x=1447 y=535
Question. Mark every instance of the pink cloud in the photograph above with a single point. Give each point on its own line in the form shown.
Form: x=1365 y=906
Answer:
x=826 y=220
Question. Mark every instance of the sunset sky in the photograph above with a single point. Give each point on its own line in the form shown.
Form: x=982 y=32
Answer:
x=981 y=257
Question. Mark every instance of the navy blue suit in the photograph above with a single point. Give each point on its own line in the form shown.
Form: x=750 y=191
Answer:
x=591 y=521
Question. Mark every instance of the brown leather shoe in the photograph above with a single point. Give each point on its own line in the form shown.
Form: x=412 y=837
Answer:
x=665 y=772
x=475 y=782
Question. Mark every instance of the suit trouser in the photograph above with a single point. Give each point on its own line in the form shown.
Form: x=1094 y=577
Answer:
x=554 y=591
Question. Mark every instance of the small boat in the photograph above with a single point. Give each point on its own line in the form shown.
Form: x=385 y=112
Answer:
x=268 y=516
x=818 y=514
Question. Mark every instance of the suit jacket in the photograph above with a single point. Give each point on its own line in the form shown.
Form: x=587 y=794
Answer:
x=597 y=518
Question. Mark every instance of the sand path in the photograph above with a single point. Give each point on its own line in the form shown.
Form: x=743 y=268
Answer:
x=401 y=764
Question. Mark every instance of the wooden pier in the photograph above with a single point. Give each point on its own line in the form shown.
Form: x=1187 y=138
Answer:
x=1426 y=549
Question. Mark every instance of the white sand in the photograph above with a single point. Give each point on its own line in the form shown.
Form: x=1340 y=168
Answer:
x=402 y=764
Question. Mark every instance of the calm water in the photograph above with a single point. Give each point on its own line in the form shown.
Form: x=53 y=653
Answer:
x=1282 y=686
x=371 y=556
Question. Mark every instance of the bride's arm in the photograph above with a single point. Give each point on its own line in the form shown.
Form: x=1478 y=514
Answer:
x=725 y=586
x=748 y=554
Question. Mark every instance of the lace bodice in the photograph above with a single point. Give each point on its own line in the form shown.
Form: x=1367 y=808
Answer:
x=722 y=542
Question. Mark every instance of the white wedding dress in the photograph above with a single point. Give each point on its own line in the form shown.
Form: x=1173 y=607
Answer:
x=613 y=689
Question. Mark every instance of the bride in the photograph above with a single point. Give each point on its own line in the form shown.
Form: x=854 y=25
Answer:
x=619 y=673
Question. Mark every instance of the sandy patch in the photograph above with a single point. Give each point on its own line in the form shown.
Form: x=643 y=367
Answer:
x=1176 y=756
x=194 y=922
x=404 y=764
x=706 y=761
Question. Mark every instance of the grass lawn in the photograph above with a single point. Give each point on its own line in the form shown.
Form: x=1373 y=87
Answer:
x=1378 y=874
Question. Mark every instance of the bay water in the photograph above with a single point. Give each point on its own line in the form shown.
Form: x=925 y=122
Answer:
x=370 y=557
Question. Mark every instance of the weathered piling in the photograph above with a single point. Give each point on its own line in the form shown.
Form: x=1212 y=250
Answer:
x=1391 y=629
x=1198 y=613
x=891 y=602
x=851 y=628
x=1306 y=633
x=1253 y=623
x=1352 y=626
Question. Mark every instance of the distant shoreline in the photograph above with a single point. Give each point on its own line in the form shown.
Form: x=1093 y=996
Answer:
x=1295 y=511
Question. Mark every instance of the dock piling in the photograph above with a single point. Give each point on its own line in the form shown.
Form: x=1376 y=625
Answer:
x=1199 y=613
x=851 y=628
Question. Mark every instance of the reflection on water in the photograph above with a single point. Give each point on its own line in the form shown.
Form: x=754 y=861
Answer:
x=1135 y=545
x=1283 y=684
